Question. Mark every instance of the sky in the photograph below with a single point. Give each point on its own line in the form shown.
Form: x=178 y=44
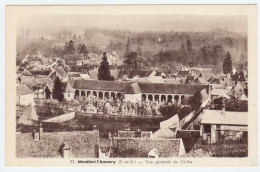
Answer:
x=78 y=23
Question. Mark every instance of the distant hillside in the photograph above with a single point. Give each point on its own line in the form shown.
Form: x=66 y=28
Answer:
x=201 y=48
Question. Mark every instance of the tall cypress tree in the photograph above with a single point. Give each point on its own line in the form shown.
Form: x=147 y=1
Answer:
x=57 y=90
x=103 y=70
x=227 y=65
x=127 y=48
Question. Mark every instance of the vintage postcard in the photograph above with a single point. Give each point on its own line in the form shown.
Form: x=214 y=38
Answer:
x=131 y=85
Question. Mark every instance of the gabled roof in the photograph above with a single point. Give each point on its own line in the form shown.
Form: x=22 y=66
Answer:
x=48 y=82
x=219 y=91
x=66 y=87
x=61 y=72
x=182 y=74
x=133 y=89
x=29 y=117
x=27 y=73
x=164 y=133
x=201 y=80
x=227 y=118
x=154 y=152
x=189 y=78
x=141 y=74
x=23 y=90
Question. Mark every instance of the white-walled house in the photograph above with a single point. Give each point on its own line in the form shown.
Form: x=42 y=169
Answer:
x=24 y=95
x=217 y=125
x=68 y=91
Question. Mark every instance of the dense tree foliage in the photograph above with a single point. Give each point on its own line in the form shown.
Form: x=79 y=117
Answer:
x=82 y=49
x=227 y=65
x=169 y=111
x=69 y=47
x=195 y=101
x=57 y=90
x=103 y=70
x=127 y=48
x=173 y=49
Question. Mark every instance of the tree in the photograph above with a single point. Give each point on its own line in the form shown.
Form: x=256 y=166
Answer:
x=131 y=60
x=195 y=100
x=103 y=70
x=69 y=47
x=57 y=90
x=227 y=65
x=82 y=49
x=127 y=48
x=139 y=52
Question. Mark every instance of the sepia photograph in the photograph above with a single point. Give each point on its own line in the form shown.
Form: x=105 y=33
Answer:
x=100 y=87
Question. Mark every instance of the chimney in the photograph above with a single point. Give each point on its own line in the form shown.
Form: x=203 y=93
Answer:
x=36 y=136
x=66 y=151
x=40 y=131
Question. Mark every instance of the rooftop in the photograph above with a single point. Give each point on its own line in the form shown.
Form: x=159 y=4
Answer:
x=119 y=86
x=228 y=118
x=139 y=148
x=83 y=144
x=23 y=90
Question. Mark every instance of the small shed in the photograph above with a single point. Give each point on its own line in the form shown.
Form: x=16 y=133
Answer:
x=154 y=153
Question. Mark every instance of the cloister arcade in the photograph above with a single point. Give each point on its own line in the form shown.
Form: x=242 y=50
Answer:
x=164 y=97
x=98 y=94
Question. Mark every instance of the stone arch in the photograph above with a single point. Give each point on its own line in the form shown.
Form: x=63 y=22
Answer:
x=76 y=92
x=83 y=93
x=88 y=93
x=100 y=95
x=176 y=98
x=94 y=93
x=163 y=98
x=156 y=98
x=182 y=98
x=143 y=97
x=106 y=95
x=118 y=95
x=169 y=98
x=113 y=95
x=150 y=97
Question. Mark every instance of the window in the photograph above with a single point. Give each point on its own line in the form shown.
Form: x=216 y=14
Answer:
x=207 y=128
x=68 y=95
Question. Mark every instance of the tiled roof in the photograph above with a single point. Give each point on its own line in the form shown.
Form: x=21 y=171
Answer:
x=48 y=82
x=166 y=88
x=139 y=148
x=101 y=85
x=164 y=133
x=61 y=72
x=201 y=80
x=219 y=91
x=228 y=118
x=66 y=87
x=28 y=117
x=23 y=90
x=133 y=89
x=83 y=144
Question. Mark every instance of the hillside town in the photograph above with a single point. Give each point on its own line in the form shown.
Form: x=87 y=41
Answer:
x=104 y=105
